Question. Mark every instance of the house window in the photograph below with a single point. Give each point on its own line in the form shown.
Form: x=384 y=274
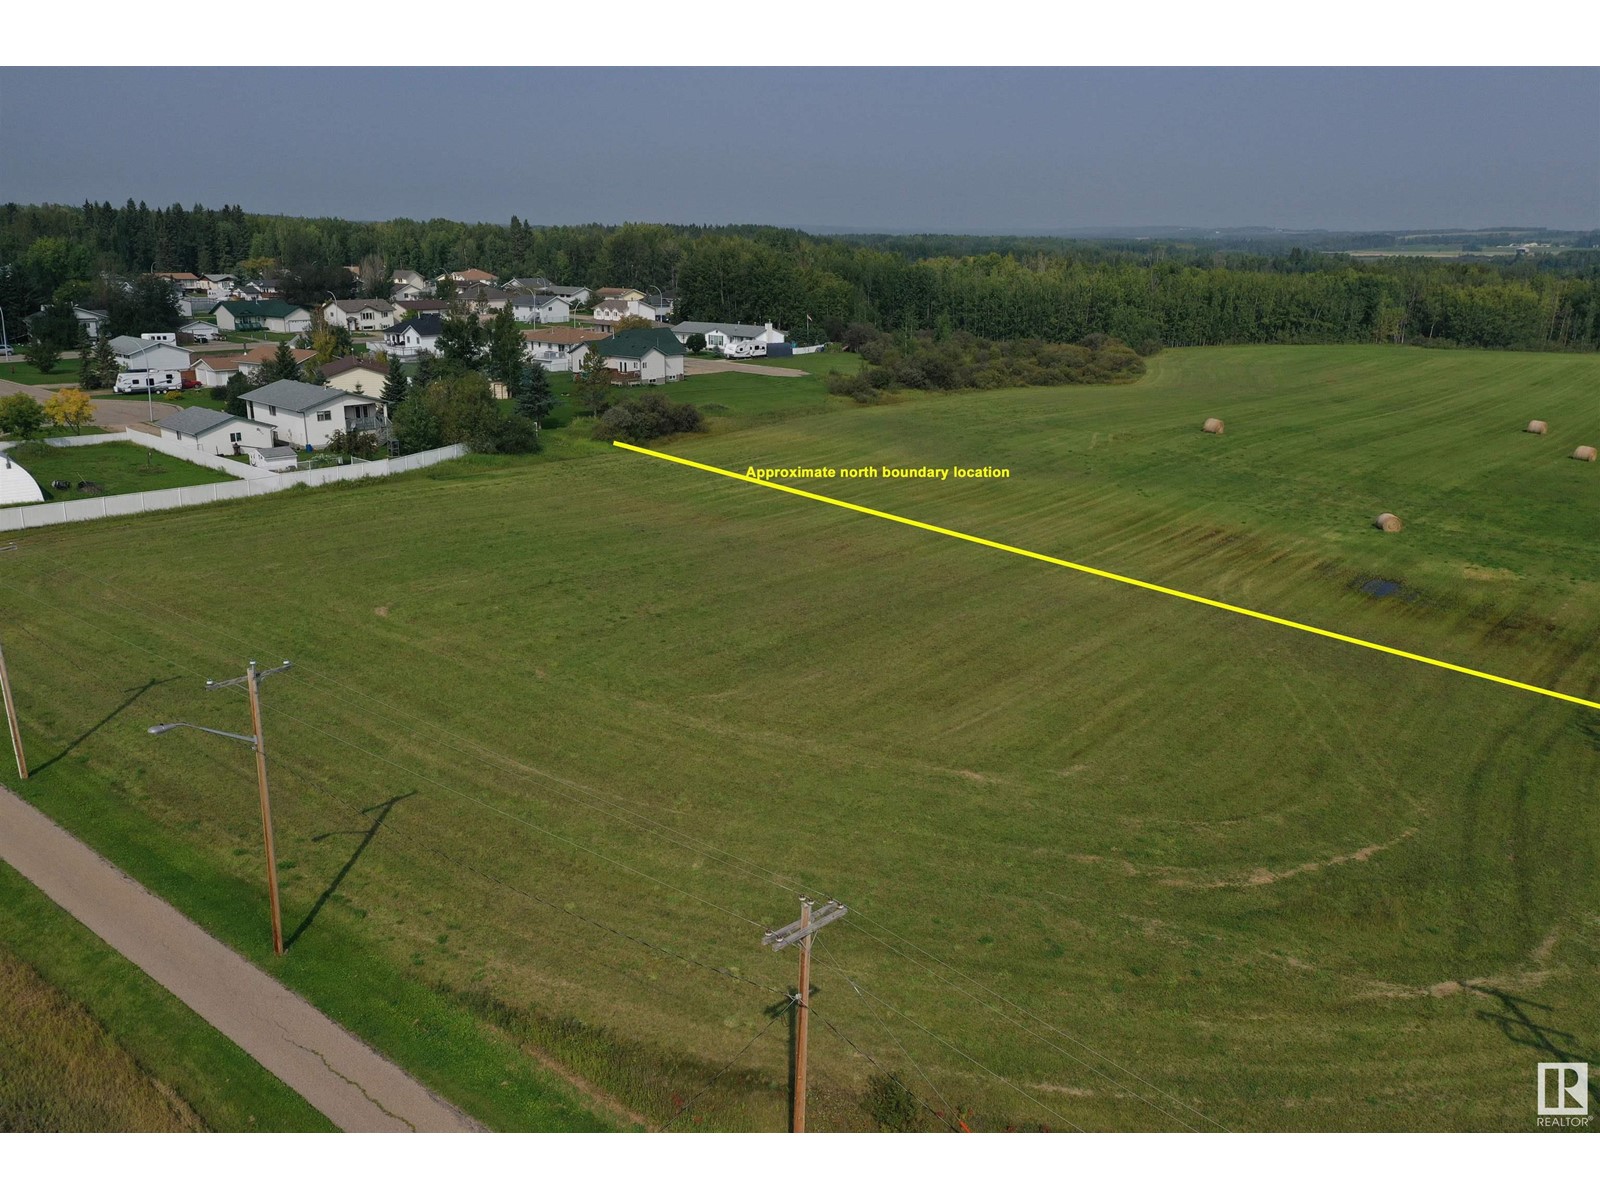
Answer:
x=272 y=410
x=325 y=415
x=236 y=438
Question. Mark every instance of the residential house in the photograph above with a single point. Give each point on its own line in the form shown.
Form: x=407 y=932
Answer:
x=137 y=354
x=416 y=308
x=93 y=320
x=541 y=308
x=304 y=414
x=575 y=296
x=470 y=275
x=214 y=432
x=561 y=347
x=197 y=306
x=359 y=314
x=409 y=291
x=618 y=294
x=199 y=331
x=419 y=335
x=482 y=298
x=221 y=286
x=405 y=277
x=273 y=458
x=214 y=370
x=187 y=283
x=615 y=308
x=643 y=355
x=358 y=376
x=537 y=284
x=275 y=316
x=730 y=339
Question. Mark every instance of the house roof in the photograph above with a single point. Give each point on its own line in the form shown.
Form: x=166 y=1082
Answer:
x=220 y=362
x=127 y=344
x=538 y=300
x=355 y=306
x=178 y=276
x=563 y=335
x=261 y=308
x=484 y=292
x=274 y=453
x=424 y=306
x=263 y=352
x=536 y=283
x=685 y=328
x=556 y=289
x=196 y=421
x=611 y=292
x=636 y=343
x=350 y=362
x=429 y=324
x=293 y=396
x=471 y=275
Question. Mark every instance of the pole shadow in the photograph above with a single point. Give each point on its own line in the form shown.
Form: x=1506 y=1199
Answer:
x=383 y=810
x=1522 y=1028
x=100 y=724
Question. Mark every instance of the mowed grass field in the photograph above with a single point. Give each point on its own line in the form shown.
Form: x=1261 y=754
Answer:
x=563 y=737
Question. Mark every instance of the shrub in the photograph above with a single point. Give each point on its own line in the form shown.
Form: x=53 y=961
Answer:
x=892 y=1105
x=643 y=418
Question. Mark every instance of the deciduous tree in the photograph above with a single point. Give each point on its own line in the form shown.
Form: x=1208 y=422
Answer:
x=21 y=416
x=69 y=407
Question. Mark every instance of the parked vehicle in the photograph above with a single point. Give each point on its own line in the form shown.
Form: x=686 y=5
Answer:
x=148 y=381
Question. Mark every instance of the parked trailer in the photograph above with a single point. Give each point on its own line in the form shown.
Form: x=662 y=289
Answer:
x=148 y=381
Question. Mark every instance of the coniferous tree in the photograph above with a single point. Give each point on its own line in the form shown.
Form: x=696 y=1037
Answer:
x=505 y=350
x=395 y=389
x=533 y=394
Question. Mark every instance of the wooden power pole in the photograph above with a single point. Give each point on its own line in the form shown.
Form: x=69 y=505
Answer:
x=252 y=678
x=11 y=718
x=800 y=933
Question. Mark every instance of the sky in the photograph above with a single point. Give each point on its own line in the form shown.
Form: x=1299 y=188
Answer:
x=897 y=149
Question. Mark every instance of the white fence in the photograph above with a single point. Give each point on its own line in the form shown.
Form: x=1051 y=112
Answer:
x=257 y=483
x=811 y=349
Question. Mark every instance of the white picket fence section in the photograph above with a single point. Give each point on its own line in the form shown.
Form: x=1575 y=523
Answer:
x=252 y=481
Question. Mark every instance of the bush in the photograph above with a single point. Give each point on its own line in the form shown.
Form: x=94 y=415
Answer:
x=219 y=393
x=643 y=418
x=892 y=1105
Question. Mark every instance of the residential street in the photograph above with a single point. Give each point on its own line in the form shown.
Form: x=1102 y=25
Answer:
x=357 y=1089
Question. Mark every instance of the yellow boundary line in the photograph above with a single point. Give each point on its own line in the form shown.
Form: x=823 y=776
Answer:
x=1111 y=575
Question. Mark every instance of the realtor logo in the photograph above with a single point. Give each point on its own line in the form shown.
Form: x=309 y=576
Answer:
x=1564 y=1089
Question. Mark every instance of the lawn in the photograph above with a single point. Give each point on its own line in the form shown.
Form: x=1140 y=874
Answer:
x=118 y=467
x=562 y=737
x=123 y=1054
x=66 y=371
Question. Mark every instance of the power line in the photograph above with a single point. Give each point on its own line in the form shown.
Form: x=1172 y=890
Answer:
x=793 y=1000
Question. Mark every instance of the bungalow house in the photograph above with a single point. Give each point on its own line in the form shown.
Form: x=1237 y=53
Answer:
x=541 y=308
x=260 y=289
x=419 y=335
x=220 y=287
x=561 y=348
x=264 y=352
x=575 y=296
x=273 y=458
x=358 y=376
x=275 y=316
x=137 y=354
x=199 y=331
x=416 y=308
x=303 y=414
x=359 y=314
x=214 y=432
x=731 y=340
x=643 y=355
x=214 y=370
x=470 y=275
x=483 y=298
x=187 y=283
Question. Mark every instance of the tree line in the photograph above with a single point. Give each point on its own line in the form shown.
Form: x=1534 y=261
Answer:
x=1145 y=293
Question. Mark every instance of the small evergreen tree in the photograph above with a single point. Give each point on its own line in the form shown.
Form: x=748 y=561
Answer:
x=394 y=388
x=505 y=347
x=532 y=394
x=281 y=365
x=106 y=365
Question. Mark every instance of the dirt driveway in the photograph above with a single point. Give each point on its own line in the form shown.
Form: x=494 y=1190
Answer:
x=716 y=366
x=130 y=414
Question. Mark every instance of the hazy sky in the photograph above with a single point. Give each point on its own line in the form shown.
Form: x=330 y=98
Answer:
x=893 y=148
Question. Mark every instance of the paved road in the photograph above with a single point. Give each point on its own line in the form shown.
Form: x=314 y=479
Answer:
x=356 y=1088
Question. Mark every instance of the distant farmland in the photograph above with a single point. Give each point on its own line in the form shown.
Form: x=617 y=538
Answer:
x=563 y=737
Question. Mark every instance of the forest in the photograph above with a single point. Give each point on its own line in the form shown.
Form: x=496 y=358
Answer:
x=1147 y=294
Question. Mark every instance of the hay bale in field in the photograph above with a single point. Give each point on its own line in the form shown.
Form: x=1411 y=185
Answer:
x=1389 y=523
x=1584 y=454
x=1212 y=425
x=1538 y=427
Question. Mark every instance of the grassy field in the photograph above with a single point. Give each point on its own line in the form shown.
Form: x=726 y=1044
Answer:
x=118 y=467
x=20 y=372
x=123 y=1055
x=564 y=736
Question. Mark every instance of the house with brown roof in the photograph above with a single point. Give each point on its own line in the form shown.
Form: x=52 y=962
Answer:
x=561 y=347
x=359 y=376
x=470 y=275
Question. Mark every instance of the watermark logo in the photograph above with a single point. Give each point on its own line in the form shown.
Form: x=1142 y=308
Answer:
x=1564 y=1094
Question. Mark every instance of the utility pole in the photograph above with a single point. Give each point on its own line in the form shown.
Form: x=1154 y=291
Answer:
x=801 y=932
x=11 y=707
x=252 y=680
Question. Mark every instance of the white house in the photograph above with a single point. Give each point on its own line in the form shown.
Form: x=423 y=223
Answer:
x=560 y=348
x=214 y=432
x=358 y=376
x=470 y=275
x=409 y=291
x=93 y=320
x=419 y=335
x=214 y=370
x=537 y=283
x=541 y=308
x=200 y=331
x=643 y=355
x=359 y=314
x=136 y=354
x=577 y=297
x=220 y=287
x=731 y=340
x=276 y=316
x=303 y=414
x=614 y=308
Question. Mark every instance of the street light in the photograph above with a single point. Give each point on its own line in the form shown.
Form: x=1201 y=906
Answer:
x=252 y=680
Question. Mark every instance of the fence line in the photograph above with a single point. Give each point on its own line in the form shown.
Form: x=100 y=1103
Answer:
x=257 y=483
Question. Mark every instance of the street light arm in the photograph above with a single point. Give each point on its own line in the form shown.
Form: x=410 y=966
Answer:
x=171 y=725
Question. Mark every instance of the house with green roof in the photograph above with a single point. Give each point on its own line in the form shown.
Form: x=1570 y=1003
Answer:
x=274 y=316
x=642 y=355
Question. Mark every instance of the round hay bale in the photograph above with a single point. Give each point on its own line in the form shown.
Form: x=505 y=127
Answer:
x=1212 y=425
x=1389 y=523
x=1584 y=454
x=1538 y=427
